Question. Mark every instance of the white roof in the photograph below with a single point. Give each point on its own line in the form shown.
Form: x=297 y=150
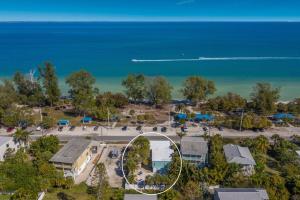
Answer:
x=161 y=150
x=4 y=140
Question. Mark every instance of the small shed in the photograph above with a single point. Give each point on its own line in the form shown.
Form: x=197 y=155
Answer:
x=280 y=116
x=86 y=120
x=63 y=122
x=203 y=117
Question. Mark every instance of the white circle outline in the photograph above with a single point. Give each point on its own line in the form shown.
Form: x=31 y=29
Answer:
x=123 y=162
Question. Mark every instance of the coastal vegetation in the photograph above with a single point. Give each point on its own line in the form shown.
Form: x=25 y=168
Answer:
x=28 y=172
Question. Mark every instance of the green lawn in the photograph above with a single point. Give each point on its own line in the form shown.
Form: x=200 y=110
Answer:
x=77 y=191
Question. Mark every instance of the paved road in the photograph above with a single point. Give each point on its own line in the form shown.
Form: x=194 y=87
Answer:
x=124 y=139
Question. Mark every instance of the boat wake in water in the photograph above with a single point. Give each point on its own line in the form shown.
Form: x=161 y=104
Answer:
x=216 y=59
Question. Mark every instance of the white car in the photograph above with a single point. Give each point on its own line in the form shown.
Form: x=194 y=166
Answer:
x=38 y=128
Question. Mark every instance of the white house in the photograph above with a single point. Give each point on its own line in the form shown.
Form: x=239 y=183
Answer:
x=240 y=155
x=161 y=155
x=7 y=143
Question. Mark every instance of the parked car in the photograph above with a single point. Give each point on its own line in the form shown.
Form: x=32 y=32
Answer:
x=205 y=128
x=163 y=129
x=124 y=128
x=84 y=128
x=184 y=128
x=220 y=128
x=154 y=128
x=176 y=125
x=10 y=129
x=60 y=128
x=138 y=128
x=96 y=128
x=38 y=128
x=72 y=128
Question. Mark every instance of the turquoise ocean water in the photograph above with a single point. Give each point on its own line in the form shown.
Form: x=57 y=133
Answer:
x=107 y=49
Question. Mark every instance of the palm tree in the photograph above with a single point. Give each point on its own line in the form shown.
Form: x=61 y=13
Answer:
x=262 y=144
x=22 y=136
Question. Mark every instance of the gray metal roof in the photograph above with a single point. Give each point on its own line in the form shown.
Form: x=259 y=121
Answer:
x=193 y=146
x=4 y=140
x=238 y=154
x=71 y=151
x=139 y=197
x=240 y=194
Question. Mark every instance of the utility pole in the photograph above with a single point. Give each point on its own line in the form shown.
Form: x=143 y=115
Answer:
x=242 y=116
x=107 y=117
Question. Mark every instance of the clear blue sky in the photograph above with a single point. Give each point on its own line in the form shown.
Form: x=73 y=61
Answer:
x=149 y=10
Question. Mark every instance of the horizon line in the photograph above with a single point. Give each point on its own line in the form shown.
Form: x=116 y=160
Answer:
x=89 y=21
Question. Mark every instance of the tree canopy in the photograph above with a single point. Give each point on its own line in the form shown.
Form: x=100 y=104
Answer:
x=82 y=90
x=158 y=90
x=135 y=87
x=50 y=83
x=196 y=88
x=264 y=98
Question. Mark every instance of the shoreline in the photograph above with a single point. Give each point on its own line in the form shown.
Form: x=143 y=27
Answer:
x=242 y=86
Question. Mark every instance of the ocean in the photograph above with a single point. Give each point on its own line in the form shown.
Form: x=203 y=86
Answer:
x=271 y=52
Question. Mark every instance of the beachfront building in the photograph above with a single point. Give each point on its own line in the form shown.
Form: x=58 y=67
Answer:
x=240 y=155
x=240 y=193
x=73 y=157
x=161 y=155
x=139 y=197
x=8 y=144
x=194 y=150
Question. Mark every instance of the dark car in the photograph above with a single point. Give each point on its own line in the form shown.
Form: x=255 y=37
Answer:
x=72 y=128
x=154 y=128
x=96 y=128
x=220 y=128
x=176 y=125
x=163 y=129
x=10 y=129
x=139 y=128
x=205 y=128
x=60 y=128
x=124 y=128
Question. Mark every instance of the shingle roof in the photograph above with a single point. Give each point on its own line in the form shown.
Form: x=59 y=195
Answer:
x=71 y=151
x=161 y=150
x=193 y=146
x=139 y=197
x=241 y=194
x=238 y=154
x=4 y=140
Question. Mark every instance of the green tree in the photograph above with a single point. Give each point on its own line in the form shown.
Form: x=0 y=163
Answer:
x=22 y=136
x=24 y=194
x=100 y=186
x=264 y=98
x=192 y=191
x=261 y=144
x=196 y=88
x=135 y=87
x=29 y=91
x=82 y=91
x=170 y=195
x=50 y=83
x=45 y=144
x=228 y=102
x=158 y=90
x=8 y=94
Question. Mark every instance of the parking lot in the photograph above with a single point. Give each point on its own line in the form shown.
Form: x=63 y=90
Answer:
x=113 y=165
